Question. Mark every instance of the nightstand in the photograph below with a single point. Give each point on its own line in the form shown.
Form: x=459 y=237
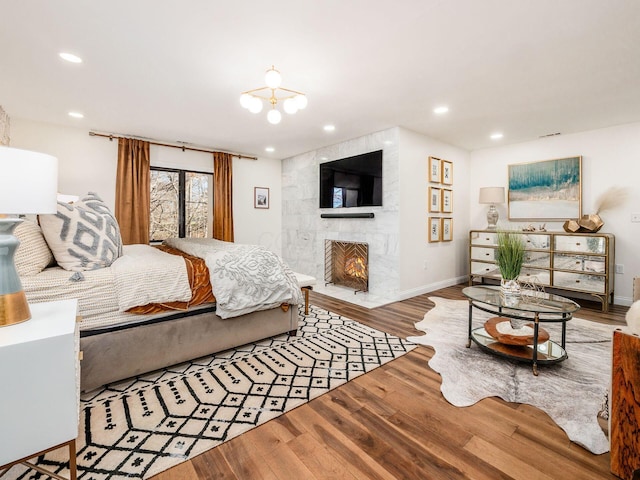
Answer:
x=39 y=378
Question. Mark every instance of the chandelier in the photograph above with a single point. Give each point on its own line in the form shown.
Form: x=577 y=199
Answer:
x=292 y=100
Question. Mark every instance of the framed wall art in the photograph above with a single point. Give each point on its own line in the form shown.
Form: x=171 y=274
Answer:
x=446 y=229
x=260 y=197
x=447 y=172
x=434 y=170
x=548 y=190
x=434 y=199
x=447 y=200
x=434 y=229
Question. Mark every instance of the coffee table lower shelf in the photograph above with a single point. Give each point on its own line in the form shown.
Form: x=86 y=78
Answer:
x=548 y=352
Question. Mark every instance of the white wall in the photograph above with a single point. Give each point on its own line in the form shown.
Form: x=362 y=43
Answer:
x=89 y=164
x=85 y=164
x=610 y=157
x=428 y=266
x=255 y=225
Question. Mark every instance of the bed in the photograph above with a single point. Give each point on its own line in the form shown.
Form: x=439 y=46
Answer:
x=142 y=308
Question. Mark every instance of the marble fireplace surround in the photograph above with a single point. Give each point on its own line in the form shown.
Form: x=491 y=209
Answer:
x=304 y=231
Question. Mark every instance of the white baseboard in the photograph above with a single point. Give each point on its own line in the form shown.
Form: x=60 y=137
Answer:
x=431 y=287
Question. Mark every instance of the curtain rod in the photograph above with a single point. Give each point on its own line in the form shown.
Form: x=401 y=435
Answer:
x=162 y=144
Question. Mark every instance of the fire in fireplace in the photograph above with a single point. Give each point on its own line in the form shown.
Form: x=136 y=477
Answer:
x=347 y=264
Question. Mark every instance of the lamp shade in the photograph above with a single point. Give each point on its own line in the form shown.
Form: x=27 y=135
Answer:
x=492 y=195
x=28 y=182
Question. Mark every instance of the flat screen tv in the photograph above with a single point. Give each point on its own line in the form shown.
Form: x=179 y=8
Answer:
x=352 y=182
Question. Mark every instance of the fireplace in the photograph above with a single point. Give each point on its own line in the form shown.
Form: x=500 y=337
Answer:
x=347 y=264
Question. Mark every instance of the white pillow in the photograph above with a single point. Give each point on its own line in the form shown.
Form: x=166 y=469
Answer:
x=33 y=254
x=83 y=235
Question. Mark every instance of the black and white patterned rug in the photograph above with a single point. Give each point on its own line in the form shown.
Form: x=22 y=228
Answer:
x=140 y=427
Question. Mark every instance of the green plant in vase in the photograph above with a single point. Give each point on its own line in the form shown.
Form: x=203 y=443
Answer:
x=509 y=257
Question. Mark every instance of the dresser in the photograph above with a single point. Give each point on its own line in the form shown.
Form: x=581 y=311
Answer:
x=39 y=378
x=567 y=262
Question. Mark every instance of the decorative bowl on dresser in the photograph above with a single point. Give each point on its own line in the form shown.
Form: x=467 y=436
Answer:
x=568 y=262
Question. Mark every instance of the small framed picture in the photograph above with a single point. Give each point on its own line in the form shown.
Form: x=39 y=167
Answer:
x=447 y=229
x=434 y=170
x=434 y=229
x=260 y=197
x=435 y=199
x=447 y=200
x=447 y=172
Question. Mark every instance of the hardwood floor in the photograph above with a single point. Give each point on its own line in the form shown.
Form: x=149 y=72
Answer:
x=393 y=423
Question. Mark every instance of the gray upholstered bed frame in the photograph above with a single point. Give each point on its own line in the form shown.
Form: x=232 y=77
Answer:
x=118 y=354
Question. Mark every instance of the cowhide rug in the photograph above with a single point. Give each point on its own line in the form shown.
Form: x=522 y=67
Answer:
x=570 y=392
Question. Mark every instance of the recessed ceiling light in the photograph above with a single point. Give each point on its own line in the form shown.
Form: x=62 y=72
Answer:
x=270 y=149
x=441 y=110
x=329 y=128
x=496 y=136
x=70 y=57
x=76 y=115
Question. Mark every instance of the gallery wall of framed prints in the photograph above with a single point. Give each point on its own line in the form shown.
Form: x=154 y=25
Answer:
x=440 y=200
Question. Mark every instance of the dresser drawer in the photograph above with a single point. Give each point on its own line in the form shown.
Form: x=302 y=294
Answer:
x=579 y=243
x=534 y=275
x=537 y=259
x=579 y=281
x=485 y=269
x=534 y=241
x=484 y=254
x=579 y=263
x=484 y=238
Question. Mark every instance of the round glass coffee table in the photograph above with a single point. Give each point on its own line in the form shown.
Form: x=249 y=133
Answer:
x=532 y=345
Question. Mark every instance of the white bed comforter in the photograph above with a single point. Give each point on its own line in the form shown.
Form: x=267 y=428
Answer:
x=144 y=275
x=244 y=278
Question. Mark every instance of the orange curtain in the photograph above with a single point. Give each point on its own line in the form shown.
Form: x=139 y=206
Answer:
x=222 y=197
x=133 y=190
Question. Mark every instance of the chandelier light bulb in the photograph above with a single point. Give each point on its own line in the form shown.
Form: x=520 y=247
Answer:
x=272 y=78
x=255 y=105
x=274 y=116
x=301 y=101
x=290 y=106
x=245 y=100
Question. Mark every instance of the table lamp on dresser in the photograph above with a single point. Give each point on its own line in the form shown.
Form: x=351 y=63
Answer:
x=28 y=185
x=491 y=196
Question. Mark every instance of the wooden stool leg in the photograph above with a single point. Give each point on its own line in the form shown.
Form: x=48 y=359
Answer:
x=306 y=300
x=73 y=468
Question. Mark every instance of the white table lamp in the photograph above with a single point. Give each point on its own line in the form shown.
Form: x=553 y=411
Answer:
x=491 y=196
x=28 y=185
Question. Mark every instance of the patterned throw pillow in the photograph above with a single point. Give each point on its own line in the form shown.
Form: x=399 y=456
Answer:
x=33 y=254
x=83 y=235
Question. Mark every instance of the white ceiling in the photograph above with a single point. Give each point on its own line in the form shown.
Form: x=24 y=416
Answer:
x=173 y=70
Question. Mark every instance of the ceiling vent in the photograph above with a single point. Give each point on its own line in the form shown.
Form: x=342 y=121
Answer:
x=549 y=135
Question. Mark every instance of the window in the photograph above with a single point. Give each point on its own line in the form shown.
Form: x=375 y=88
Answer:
x=181 y=204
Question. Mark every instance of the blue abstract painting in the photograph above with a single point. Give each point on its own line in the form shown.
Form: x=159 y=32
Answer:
x=546 y=190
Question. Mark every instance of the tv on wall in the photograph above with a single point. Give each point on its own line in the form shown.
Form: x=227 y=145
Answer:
x=352 y=182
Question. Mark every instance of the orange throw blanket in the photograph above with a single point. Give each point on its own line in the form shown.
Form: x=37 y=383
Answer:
x=199 y=281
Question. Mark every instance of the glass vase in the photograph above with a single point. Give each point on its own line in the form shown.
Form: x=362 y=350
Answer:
x=510 y=287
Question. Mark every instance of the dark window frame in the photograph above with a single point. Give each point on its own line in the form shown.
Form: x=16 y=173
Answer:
x=182 y=201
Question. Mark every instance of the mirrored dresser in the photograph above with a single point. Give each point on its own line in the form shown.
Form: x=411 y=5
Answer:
x=567 y=262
